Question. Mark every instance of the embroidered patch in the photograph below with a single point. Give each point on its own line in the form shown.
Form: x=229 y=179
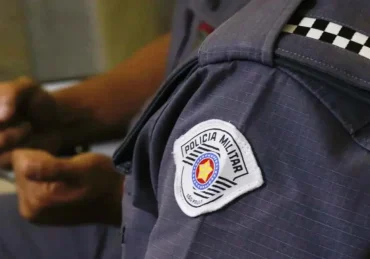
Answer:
x=214 y=165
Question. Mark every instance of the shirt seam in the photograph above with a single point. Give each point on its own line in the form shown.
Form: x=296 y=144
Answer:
x=352 y=136
x=326 y=65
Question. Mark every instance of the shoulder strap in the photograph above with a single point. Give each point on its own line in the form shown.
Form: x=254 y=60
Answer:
x=250 y=34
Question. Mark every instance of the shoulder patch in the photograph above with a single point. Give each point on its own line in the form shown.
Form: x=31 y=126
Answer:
x=214 y=165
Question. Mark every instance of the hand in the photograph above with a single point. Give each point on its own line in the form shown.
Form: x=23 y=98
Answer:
x=24 y=109
x=75 y=190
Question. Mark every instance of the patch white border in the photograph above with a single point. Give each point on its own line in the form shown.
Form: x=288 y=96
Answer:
x=250 y=162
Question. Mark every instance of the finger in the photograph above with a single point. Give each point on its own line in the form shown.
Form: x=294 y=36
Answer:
x=35 y=165
x=46 y=194
x=13 y=136
x=6 y=160
x=44 y=200
x=10 y=94
x=36 y=195
x=42 y=207
x=41 y=110
x=33 y=198
x=36 y=198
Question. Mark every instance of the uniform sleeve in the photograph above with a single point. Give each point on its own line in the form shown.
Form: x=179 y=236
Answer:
x=246 y=161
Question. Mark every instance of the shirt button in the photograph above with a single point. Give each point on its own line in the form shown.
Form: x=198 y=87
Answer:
x=125 y=168
x=213 y=4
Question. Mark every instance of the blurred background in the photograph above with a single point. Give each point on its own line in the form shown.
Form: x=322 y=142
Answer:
x=59 y=42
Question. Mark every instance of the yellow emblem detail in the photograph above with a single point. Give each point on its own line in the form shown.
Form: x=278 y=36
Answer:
x=204 y=171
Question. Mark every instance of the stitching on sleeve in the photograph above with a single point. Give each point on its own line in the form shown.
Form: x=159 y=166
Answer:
x=326 y=65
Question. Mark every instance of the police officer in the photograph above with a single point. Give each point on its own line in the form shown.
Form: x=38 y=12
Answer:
x=255 y=146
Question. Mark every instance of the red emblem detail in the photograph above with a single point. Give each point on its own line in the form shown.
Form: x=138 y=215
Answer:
x=206 y=28
x=205 y=170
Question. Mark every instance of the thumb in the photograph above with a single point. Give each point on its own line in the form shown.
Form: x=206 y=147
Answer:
x=38 y=165
x=11 y=94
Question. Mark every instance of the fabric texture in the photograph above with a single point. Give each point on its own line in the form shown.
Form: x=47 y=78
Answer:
x=314 y=204
x=306 y=119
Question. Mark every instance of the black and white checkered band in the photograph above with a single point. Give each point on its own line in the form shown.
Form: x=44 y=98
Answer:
x=329 y=32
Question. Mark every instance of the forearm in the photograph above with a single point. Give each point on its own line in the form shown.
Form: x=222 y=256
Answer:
x=101 y=107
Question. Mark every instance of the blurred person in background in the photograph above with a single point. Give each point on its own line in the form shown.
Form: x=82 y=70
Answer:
x=274 y=181
x=84 y=191
x=40 y=125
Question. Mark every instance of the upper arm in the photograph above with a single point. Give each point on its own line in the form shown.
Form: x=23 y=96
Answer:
x=299 y=148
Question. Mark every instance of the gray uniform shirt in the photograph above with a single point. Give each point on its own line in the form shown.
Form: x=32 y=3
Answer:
x=285 y=88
